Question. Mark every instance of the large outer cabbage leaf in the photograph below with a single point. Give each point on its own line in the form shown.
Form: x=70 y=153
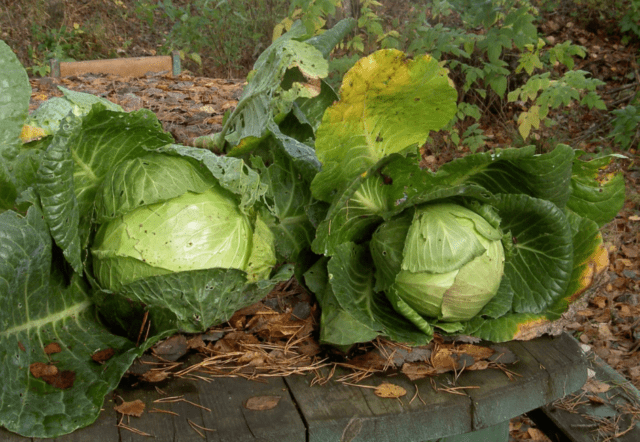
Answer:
x=15 y=92
x=379 y=99
x=596 y=193
x=40 y=308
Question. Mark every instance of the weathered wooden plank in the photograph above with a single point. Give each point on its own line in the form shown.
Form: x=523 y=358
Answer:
x=499 y=399
x=497 y=433
x=577 y=427
x=563 y=359
x=235 y=423
x=335 y=412
x=8 y=436
x=102 y=430
x=163 y=427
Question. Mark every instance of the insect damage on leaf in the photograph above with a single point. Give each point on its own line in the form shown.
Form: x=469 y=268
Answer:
x=52 y=376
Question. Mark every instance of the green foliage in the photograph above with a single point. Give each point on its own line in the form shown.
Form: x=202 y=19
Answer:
x=626 y=125
x=63 y=44
x=630 y=21
x=226 y=31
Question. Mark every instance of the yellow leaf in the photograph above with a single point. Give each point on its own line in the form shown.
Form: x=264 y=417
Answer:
x=527 y=120
x=388 y=390
x=31 y=133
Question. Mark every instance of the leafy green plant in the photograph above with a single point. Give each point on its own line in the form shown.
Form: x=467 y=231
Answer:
x=224 y=31
x=507 y=62
x=626 y=124
x=105 y=221
x=63 y=44
x=398 y=248
x=382 y=253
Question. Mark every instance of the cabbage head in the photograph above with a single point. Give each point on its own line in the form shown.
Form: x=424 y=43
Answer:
x=202 y=228
x=443 y=260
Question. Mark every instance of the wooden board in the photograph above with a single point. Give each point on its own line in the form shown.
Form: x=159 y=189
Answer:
x=124 y=67
x=548 y=369
x=618 y=405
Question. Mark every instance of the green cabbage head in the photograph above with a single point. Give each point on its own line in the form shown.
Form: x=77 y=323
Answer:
x=440 y=260
x=199 y=226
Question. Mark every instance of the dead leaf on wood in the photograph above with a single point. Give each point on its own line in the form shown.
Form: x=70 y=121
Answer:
x=155 y=376
x=476 y=351
x=171 y=349
x=595 y=386
x=444 y=361
x=52 y=348
x=417 y=370
x=261 y=403
x=369 y=361
x=133 y=408
x=388 y=390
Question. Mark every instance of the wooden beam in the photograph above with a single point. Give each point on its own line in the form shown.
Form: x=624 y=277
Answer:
x=124 y=67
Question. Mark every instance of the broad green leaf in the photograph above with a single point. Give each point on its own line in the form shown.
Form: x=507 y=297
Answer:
x=408 y=312
x=103 y=140
x=200 y=299
x=232 y=173
x=337 y=327
x=355 y=215
x=386 y=246
x=501 y=303
x=596 y=194
x=56 y=189
x=379 y=99
x=310 y=110
x=289 y=196
x=515 y=171
x=330 y=38
x=396 y=327
x=504 y=328
x=540 y=268
x=352 y=282
x=285 y=71
x=590 y=258
x=50 y=114
x=15 y=92
x=41 y=309
x=145 y=180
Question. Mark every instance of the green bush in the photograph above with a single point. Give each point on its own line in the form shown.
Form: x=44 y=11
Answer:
x=230 y=33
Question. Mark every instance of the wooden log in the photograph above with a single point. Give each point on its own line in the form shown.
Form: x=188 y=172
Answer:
x=124 y=67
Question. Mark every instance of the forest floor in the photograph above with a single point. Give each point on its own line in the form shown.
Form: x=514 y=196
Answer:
x=192 y=105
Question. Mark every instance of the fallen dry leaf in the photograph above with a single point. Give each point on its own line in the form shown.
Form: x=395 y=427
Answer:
x=388 y=390
x=133 y=408
x=417 y=370
x=261 y=403
x=595 y=386
x=537 y=435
